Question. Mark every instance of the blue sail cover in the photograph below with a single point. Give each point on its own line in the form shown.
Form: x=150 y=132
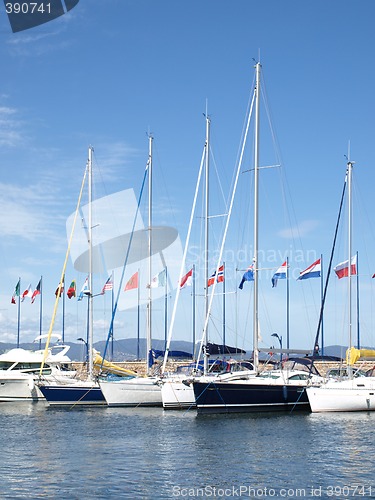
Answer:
x=156 y=353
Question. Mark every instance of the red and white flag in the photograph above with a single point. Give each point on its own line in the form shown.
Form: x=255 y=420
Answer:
x=27 y=293
x=342 y=269
x=186 y=280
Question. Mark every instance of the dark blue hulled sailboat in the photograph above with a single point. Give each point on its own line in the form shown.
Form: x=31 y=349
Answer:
x=272 y=390
x=74 y=391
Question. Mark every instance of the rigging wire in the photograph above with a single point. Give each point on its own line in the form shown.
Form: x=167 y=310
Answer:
x=125 y=262
x=329 y=267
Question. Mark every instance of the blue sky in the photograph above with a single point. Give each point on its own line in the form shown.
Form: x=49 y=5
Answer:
x=110 y=71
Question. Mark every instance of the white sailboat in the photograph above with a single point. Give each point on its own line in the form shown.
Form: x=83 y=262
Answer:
x=176 y=388
x=79 y=392
x=136 y=390
x=353 y=393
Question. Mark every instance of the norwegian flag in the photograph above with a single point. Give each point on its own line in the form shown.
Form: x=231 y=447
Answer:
x=220 y=276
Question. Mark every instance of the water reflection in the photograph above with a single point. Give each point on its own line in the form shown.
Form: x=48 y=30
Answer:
x=146 y=452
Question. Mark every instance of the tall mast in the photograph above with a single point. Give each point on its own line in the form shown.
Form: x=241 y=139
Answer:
x=256 y=217
x=350 y=169
x=90 y=294
x=149 y=166
x=206 y=216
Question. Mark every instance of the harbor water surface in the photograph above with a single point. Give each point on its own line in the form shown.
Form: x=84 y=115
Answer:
x=149 y=453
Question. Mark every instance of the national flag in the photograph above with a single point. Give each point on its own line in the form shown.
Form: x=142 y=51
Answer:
x=248 y=276
x=186 y=280
x=220 y=276
x=280 y=274
x=342 y=269
x=108 y=285
x=71 y=290
x=313 y=271
x=16 y=292
x=36 y=291
x=132 y=283
x=159 y=280
x=61 y=288
x=27 y=293
x=84 y=290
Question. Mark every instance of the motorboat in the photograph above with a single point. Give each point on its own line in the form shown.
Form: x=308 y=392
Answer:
x=20 y=370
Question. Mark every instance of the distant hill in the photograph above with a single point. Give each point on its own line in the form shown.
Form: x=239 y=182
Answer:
x=126 y=349
x=123 y=349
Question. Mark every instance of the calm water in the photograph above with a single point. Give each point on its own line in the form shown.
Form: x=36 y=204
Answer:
x=149 y=453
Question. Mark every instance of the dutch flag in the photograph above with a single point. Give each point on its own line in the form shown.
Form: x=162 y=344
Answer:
x=313 y=271
x=280 y=274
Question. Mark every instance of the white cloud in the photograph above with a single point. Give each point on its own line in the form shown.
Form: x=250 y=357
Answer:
x=300 y=230
x=10 y=134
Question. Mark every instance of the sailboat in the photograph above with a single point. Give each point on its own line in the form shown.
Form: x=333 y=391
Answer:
x=176 y=389
x=79 y=392
x=135 y=390
x=353 y=393
x=274 y=390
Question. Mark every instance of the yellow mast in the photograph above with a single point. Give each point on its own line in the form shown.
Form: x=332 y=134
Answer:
x=62 y=276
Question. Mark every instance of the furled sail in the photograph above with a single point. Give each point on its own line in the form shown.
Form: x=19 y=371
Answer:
x=101 y=363
x=353 y=355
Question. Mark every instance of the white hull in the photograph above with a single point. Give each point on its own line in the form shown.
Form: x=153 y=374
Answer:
x=18 y=387
x=177 y=395
x=357 y=394
x=138 y=391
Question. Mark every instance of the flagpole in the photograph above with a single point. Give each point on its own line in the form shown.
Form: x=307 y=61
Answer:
x=138 y=313
x=358 y=330
x=287 y=304
x=19 y=315
x=193 y=312
x=112 y=304
x=40 y=311
x=88 y=332
x=166 y=309
x=321 y=300
x=224 y=308
x=63 y=313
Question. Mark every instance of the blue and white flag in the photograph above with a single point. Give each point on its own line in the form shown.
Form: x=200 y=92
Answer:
x=280 y=274
x=248 y=276
x=84 y=290
x=313 y=271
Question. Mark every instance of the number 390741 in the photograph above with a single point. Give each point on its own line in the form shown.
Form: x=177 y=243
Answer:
x=28 y=8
